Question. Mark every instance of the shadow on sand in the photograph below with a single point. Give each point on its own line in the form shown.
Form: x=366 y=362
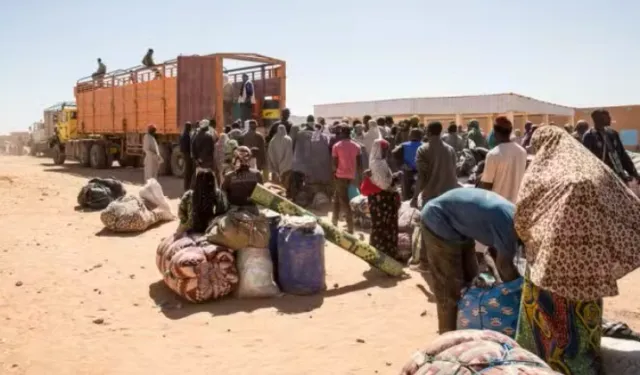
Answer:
x=173 y=307
x=104 y=232
x=172 y=186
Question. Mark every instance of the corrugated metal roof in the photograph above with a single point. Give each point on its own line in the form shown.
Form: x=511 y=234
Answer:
x=478 y=104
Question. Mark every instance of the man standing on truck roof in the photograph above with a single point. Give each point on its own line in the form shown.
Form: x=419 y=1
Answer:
x=102 y=70
x=247 y=98
x=152 y=158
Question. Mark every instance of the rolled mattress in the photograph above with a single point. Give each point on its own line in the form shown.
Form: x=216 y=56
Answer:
x=195 y=269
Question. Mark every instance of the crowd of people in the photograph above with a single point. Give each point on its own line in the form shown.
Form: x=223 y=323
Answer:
x=556 y=197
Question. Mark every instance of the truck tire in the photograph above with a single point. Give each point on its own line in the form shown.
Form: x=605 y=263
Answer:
x=177 y=162
x=98 y=156
x=165 y=153
x=58 y=155
x=85 y=152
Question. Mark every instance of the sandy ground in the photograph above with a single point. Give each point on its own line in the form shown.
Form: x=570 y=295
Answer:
x=60 y=276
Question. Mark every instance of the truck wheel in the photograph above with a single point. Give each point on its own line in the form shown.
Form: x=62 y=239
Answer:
x=85 y=150
x=165 y=153
x=98 y=156
x=58 y=155
x=177 y=162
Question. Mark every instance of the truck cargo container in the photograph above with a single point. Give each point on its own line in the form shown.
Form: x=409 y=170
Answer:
x=115 y=110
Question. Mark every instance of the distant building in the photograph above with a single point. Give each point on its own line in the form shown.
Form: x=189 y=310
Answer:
x=460 y=109
x=297 y=120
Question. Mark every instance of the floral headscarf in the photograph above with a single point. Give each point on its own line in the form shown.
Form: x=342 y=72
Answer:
x=241 y=157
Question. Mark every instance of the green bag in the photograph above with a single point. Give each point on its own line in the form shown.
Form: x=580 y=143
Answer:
x=238 y=230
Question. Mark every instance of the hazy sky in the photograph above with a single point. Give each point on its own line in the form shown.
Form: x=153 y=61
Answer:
x=577 y=53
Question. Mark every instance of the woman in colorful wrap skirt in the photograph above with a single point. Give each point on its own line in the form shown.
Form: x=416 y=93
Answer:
x=579 y=223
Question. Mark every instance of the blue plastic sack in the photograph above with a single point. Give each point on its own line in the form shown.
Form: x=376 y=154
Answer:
x=495 y=308
x=353 y=191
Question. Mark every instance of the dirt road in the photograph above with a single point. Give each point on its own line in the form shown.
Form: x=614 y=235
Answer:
x=74 y=300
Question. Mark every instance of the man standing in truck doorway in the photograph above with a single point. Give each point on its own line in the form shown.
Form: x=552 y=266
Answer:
x=152 y=158
x=246 y=99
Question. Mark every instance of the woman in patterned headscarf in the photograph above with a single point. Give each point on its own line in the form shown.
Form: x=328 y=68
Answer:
x=239 y=183
x=579 y=224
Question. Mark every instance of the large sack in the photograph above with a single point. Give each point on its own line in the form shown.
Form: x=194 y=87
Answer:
x=256 y=273
x=471 y=352
x=99 y=192
x=495 y=308
x=153 y=196
x=127 y=214
x=130 y=214
x=195 y=269
x=408 y=217
x=360 y=208
x=404 y=246
x=238 y=229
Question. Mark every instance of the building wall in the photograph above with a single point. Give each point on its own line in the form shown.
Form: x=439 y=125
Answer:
x=622 y=117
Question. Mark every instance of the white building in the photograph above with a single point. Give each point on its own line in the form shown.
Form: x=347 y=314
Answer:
x=459 y=109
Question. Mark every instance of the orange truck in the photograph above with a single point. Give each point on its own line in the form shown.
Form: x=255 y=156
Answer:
x=115 y=110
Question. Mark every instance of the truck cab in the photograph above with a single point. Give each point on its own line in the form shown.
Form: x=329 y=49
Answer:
x=60 y=123
x=66 y=122
x=37 y=139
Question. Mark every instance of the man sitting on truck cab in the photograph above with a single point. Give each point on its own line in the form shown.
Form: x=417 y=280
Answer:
x=102 y=70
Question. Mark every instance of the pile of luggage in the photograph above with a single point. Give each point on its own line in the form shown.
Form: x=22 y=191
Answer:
x=122 y=212
x=244 y=252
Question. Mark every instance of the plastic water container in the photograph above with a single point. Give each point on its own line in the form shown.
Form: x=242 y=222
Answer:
x=301 y=260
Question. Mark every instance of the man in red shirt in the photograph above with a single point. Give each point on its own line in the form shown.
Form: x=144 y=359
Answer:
x=346 y=163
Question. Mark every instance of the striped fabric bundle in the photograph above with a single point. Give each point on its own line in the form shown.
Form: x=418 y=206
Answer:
x=195 y=269
x=470 y=352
